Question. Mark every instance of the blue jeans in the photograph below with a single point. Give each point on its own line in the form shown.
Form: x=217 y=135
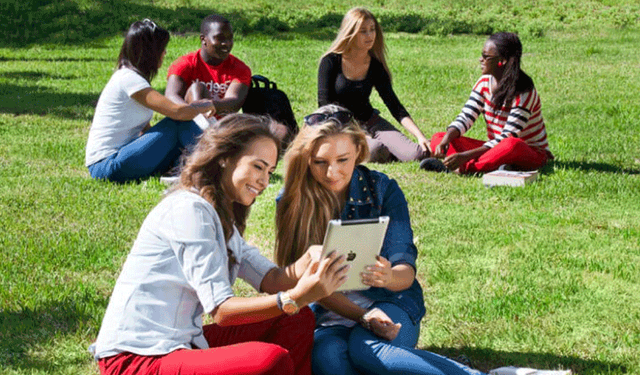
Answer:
x=154 y=151
x=356 y=351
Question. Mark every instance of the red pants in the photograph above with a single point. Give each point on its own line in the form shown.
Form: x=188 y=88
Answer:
x=512 y=151
x=281 y=345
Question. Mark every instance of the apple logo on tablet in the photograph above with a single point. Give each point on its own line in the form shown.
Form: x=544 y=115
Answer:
x=351 y=256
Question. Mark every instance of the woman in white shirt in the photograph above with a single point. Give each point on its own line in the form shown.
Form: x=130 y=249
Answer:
x=122 y=144
x=185 y=260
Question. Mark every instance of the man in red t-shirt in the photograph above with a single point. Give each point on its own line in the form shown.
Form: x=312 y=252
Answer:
x=212 y=71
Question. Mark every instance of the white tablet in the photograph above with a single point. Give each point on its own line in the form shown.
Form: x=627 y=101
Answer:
x=360 y=240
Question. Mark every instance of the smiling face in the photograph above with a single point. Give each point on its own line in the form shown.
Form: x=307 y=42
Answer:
x=217 y=43
x=332 y=163
x=366 y=36
x=244 y=178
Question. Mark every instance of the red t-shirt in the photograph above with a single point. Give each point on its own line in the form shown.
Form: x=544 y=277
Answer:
x=191 y=68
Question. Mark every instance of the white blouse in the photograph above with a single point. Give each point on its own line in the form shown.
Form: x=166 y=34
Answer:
x=176 y=271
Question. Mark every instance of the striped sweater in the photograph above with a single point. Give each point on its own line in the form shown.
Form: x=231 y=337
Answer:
x=523 y=120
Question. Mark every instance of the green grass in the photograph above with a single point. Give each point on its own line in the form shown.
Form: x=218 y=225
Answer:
x=545 y=276
x=81 y=21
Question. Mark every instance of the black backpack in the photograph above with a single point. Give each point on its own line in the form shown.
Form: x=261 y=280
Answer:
x=265 y=98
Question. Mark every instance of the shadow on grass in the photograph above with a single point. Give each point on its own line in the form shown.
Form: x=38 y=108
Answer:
x=29 y=22
x=22 y=332
x=586 y=166
x=487 y=359
x=60 y=59
x=42 y=100
x=34 y=76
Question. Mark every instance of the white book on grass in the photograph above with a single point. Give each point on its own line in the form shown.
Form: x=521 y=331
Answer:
x=509 y=178
x=512 y=370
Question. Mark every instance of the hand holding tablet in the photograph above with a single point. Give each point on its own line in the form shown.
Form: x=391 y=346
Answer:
x=379 y=274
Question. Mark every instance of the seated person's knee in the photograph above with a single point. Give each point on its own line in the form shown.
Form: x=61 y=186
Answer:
x=197 y=90
x=512 y=142
x=379 y=153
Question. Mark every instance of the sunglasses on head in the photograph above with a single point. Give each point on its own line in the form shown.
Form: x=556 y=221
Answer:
x=151 y=23
x=341 y=117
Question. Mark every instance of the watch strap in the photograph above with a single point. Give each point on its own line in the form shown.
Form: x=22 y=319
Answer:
x=279 y=300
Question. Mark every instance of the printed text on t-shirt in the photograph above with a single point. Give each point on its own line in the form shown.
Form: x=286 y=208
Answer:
x=217 y=90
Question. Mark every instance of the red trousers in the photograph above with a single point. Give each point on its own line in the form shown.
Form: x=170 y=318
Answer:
x=281 y=345
x=512 y=151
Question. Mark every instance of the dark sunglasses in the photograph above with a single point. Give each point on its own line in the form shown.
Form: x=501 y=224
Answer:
x=341 y=117
x=488 y=57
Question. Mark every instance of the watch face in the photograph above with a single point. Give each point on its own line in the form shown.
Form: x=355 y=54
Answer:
x=289 y=308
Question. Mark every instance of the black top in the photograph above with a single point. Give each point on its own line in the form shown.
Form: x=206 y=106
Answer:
x=335 y=88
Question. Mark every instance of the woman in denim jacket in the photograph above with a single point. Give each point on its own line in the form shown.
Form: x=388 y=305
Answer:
x=372 y=331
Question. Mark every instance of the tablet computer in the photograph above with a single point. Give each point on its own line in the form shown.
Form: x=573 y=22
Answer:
x=360 y=241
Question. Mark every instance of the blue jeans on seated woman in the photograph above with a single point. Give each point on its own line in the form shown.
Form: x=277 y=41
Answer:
x=153 y=152
x=356 y=351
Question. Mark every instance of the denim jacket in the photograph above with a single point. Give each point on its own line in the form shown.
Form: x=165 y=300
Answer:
x=373 y=194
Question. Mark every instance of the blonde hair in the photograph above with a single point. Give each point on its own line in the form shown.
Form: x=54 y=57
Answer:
x=351 y=24
x=228 y=140
x=306 y=207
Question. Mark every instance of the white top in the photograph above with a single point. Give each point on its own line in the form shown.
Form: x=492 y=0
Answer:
x=118 y=118
x=176 y=271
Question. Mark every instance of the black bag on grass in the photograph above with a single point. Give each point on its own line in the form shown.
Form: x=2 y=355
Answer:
x=265 y=98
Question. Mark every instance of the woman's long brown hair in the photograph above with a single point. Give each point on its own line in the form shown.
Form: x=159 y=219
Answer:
x=227 y=140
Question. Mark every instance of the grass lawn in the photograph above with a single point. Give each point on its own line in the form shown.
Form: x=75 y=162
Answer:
x=547 y=276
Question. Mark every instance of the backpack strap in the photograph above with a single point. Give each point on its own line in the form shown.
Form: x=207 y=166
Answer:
x=257 y=79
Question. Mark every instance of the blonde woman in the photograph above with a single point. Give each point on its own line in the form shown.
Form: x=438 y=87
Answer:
x=372 y=331
x=354 y=65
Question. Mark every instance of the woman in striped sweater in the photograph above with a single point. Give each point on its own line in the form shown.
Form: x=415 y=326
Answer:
x=507 y=98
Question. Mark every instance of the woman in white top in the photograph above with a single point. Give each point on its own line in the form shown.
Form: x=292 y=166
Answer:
x=184 y=262
x=122 y=145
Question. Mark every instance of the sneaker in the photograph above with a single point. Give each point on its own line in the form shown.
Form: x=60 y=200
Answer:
x=507 y=167
x=433 y=165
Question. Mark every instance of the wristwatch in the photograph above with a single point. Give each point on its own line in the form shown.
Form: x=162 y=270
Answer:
x=287 y=304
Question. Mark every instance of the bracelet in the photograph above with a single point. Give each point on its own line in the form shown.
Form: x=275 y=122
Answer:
x=365 y=323
x=363 y=319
